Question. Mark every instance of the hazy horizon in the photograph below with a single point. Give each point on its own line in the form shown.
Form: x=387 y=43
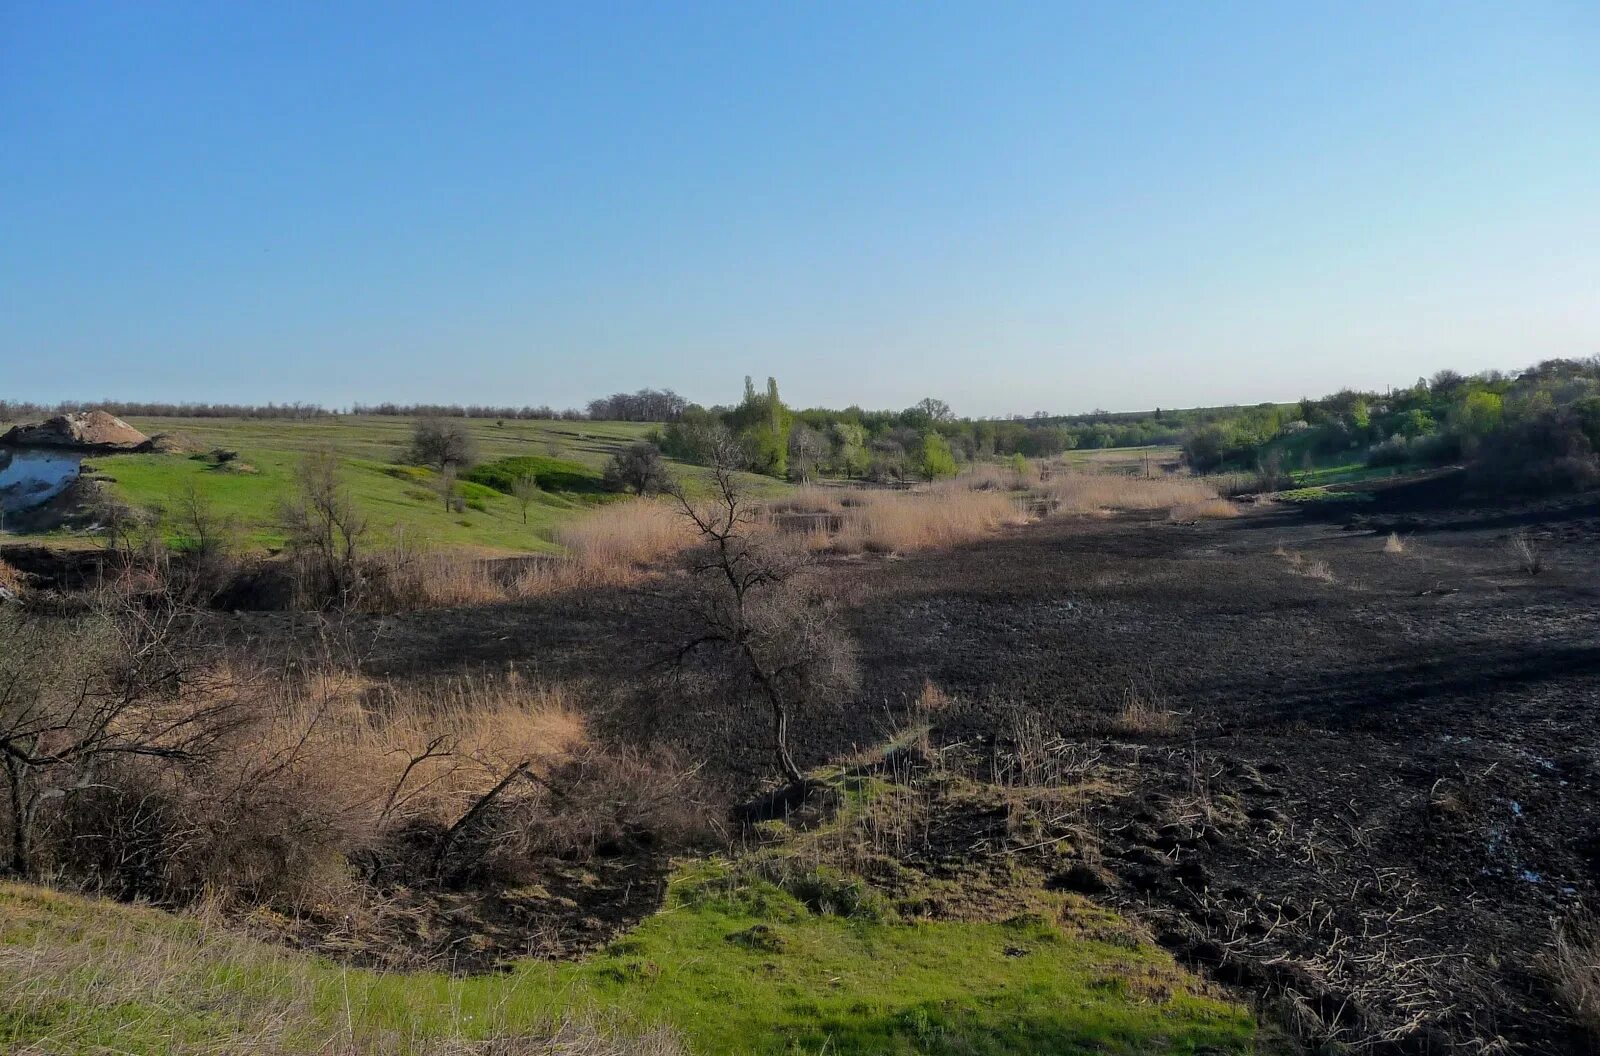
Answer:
x=1021 y=209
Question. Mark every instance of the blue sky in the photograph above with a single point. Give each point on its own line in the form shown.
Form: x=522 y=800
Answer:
x=1014 y=207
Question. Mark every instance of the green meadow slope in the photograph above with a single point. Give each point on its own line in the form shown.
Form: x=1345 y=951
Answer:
x=398 y=499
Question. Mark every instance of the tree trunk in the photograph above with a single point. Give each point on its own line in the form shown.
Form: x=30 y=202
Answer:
x=21 y=823
x=780 y=732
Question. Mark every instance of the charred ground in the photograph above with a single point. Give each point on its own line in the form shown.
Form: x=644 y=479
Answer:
x=1362 y=780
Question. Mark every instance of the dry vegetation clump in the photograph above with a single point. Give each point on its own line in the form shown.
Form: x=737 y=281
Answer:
x=613 y=545
x=1394 y=544
x=144 y=763
x=1078 y=492
x=1573 y=969
x=992 y=476
x=1205 y=510
x=219 y=993
x=945 y=514
x=620 y=537
x=1526 y=552
x=11 y=581
x=808 y=499
x=1300 y=565
x=1142 y=715
x=932 y=699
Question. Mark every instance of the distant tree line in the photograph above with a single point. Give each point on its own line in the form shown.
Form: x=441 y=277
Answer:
x=922 y=442
x=13 y=410
x=456 y=410
x=646 y=405
x=1536 y=429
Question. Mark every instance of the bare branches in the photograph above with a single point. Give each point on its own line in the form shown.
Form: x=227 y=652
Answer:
x=78 y=693
x=326 y=532
x=752 y=623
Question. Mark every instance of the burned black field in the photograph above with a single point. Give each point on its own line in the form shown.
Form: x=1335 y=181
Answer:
x=1359 y=777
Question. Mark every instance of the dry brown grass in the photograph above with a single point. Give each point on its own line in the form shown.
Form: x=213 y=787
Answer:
x=1394 y=544
x=326 y=768
x=932 y=699
x=1205 y=510
x=992 y=476
x=1078 y=492
x=1300 y=565
x=625 y=535
x=11 y=580
x=314 y=773
x=613 y=545
x=945 y=514
x=1142 y=715
x=1573 y=968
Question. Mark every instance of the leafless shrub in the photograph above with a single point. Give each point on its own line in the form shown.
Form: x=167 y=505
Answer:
x=1394 y=544
x=592 y=801
x=203 y=559
x=327 y=533
x=1526 y=552
x=81 y=696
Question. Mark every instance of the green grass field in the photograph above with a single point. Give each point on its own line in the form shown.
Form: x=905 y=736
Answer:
x=251 y=491
x=737 y=972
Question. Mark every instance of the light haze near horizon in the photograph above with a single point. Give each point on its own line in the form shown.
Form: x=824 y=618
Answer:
x=1011 y=207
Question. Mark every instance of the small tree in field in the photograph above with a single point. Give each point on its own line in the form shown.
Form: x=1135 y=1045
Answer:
x=755 y=623
x=326 y=533
x=937 y=460
x=525 y=489
x=442 y=442
x=447 y=485
x=638 y=468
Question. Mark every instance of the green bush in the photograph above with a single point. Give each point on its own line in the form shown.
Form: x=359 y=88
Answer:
x=553 y=474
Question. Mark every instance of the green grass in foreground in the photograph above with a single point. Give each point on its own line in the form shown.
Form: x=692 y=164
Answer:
x=741 y=969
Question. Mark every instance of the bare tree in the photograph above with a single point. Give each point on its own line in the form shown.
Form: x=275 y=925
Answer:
x=807 y=449
x=326 y=532
x=203 y=545
x=754 y=620
x=525 y=489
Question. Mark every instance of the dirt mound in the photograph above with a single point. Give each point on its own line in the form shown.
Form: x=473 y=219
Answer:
x=92 y=430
